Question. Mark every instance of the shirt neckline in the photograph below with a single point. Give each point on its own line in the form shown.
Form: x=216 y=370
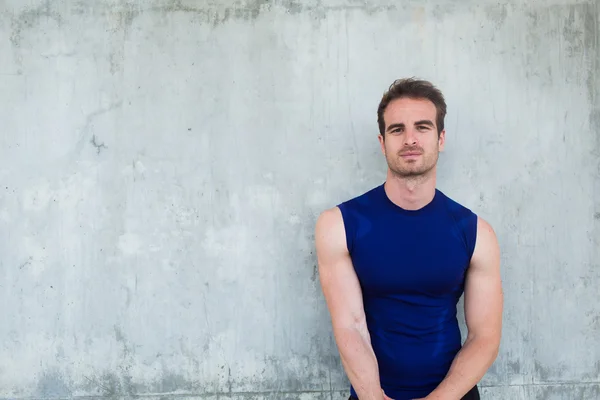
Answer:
x=423 y=210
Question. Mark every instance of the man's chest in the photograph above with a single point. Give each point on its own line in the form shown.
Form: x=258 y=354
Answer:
x=431 y=260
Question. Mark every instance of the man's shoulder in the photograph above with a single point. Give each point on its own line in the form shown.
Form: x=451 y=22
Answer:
x=330 y=233
x=329 y=217
x=340 y=221
x=464 y=219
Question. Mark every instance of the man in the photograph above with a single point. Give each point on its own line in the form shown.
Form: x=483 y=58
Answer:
x=394 y=261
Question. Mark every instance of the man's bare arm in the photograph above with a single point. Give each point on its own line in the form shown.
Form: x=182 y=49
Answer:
x=344 y=300
x=483 y=315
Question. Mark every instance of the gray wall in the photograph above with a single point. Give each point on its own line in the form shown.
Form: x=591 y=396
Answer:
x=162 y=164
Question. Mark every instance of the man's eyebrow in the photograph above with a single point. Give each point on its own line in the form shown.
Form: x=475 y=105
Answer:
x=393 y=126
x=425 y=122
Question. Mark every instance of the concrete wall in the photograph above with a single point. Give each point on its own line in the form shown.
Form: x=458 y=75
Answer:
x=162 y=164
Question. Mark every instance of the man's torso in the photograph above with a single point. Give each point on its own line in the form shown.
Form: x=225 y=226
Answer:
x=411 y=266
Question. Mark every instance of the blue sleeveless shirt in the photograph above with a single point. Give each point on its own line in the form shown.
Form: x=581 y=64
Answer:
x=411 y=265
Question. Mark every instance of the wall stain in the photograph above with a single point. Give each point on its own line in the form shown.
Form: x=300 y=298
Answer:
x=52 y=385
x=89 y=123
x=110 y=384
x=514 y=366
x=28 y=262
x=125 y=14
x=593 y=375
x=533 y=17
x=544 y=374
x=98 y=146
x=497 y=14
x=122 y=16
x=440 y=11
x=572 y=34
x=125 y=363
x=541 y=372
x=591 y=44
x=562 y=391
x=27 y=20
x=171 y=383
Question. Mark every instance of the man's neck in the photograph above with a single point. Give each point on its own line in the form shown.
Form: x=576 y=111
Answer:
x=410 y=193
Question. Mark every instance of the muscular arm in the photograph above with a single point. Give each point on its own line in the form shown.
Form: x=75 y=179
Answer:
x=483 y=315
x=344 y=300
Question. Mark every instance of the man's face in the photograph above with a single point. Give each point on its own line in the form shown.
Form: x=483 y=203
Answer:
x=411 y=145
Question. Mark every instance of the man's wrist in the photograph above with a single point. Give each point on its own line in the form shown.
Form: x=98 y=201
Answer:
x=438 y=394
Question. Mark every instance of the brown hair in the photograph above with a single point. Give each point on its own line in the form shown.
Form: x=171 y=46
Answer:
x=414 y=89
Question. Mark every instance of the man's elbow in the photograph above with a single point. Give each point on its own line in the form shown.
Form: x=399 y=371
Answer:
x=494 y=349
x=348 y=328
x=486 y=343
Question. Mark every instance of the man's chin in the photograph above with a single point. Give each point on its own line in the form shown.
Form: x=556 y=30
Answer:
x=409 y=172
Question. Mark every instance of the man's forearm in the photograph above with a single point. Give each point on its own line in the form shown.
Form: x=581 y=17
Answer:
x=467 y=369
x=359 y=362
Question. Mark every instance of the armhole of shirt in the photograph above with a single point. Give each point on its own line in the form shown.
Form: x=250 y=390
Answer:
x=471 y=233
x=348 y=226
x=466 y=221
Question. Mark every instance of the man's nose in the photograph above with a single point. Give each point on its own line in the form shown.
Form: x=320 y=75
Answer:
x=410 y=138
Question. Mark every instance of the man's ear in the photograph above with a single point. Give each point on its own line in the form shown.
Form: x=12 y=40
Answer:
x=442 y=139
x=382 y=143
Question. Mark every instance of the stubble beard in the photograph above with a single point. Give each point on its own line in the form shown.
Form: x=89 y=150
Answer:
x=412 y=172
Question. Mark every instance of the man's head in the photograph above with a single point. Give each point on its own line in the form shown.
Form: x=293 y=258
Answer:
x=411 y=127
